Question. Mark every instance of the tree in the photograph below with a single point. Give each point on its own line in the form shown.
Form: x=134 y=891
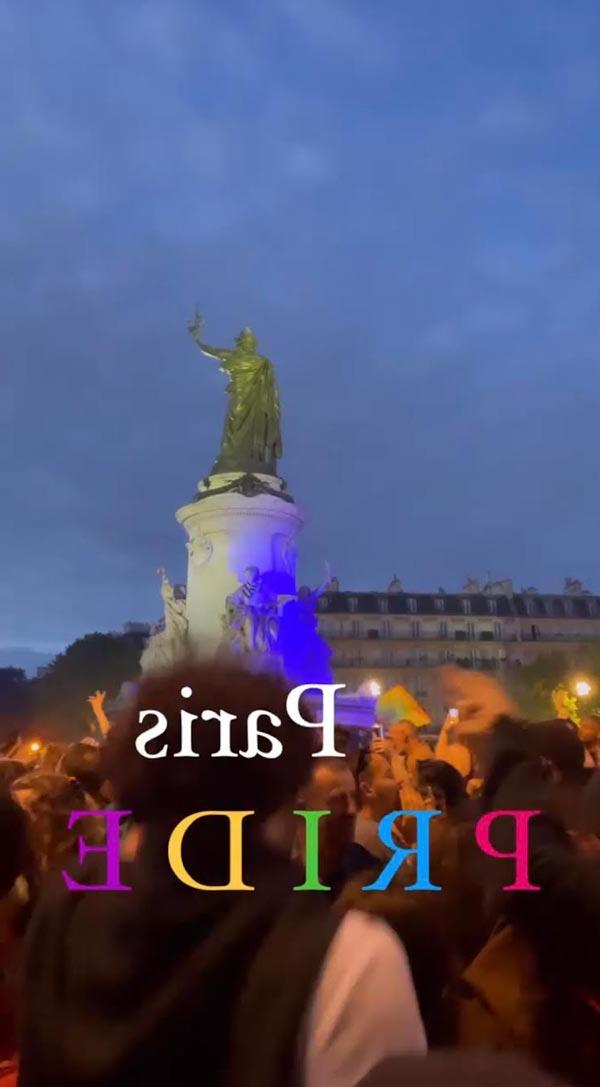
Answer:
x=15 y=701
x=532 y=685
x=96 y=661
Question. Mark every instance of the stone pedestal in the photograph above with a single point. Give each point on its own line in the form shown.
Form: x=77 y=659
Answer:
x=228 y=531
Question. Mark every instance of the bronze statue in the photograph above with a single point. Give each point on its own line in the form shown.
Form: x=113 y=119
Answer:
x=252 y=435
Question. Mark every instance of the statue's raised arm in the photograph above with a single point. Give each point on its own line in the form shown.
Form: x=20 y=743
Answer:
x=323 y=587
x=195 y=326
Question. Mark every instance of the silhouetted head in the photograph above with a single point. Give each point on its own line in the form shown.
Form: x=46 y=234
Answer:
x=83 y=762
x=400 y=735
x=377 y=787
x=558 y=742
x=445 y=782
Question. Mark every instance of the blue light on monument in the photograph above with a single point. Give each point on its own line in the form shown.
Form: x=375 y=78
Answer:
x=304 y=654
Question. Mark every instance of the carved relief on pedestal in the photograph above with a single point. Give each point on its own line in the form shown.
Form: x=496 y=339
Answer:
x=199 y=550
x=284 y=554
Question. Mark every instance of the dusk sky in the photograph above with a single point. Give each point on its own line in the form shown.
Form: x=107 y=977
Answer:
x=402 y=199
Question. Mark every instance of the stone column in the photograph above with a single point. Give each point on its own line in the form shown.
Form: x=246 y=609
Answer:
x=228 y=531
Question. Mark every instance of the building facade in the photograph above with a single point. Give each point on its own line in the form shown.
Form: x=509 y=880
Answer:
x=399 y=637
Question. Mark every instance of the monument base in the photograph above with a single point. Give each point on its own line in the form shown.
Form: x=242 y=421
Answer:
x=235 y=525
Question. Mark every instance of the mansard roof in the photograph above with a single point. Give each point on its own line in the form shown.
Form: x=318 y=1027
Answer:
x=528 y=605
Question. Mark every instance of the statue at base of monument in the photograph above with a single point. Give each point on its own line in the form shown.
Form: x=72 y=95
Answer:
x=250 y=620
x=305 y=655
x=169 y=645
x=252 y=434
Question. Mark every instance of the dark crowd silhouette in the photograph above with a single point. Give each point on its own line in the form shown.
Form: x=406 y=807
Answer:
x=168 y=984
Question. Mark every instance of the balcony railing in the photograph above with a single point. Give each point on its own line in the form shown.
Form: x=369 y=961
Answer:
x=543 y=636
x=526 y=636
x=340 y=660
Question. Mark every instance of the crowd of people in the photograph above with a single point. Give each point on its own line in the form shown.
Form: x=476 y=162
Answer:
x=166 y=984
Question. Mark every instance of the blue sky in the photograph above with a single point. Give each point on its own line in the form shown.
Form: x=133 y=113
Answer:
x=402 y=199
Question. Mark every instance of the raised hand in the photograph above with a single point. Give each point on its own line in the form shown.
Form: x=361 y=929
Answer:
x=478 y=697
x=195 y=325
x=323 y=588
x=96 y=701
x=381 y=746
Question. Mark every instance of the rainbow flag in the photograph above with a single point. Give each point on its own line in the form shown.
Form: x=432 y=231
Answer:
x=398 y=704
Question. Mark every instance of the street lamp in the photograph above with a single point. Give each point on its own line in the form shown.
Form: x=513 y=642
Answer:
x=374 y=688
x=583 y=688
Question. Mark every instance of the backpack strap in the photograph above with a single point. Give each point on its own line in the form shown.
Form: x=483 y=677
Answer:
x=270 y=1011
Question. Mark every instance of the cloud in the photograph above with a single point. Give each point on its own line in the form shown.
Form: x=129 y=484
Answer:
x=509 y=117
x=340 y=30
x=408 y=215
x=312 y=165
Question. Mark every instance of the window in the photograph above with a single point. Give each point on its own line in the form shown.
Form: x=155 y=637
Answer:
x=415 y=628
x=323 y=603
x=492 y=607
x=466 y=606
x=460 y=635
x=412 y=604
x=498 y=631
x=487 y=664
x=382 y=604
x=486 y=635
x=353 y=603
x=443 y=629
x=471 y=630
x=568 y=607
x=372 y=633
x=439 y=603
x=592 y=607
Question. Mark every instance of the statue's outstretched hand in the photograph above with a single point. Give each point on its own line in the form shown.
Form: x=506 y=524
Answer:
x=195 y=325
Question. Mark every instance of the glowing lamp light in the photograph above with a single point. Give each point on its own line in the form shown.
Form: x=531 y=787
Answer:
x=374 y=688
x=583 y=688
x=35 y=747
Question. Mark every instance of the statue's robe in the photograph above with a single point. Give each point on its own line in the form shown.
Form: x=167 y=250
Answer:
x=252 y=434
